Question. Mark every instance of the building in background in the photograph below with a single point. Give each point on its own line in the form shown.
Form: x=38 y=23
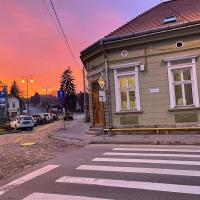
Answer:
x=151 y=70
x=13 y=106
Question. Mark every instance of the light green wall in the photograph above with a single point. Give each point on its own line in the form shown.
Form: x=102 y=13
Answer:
x=155 y=106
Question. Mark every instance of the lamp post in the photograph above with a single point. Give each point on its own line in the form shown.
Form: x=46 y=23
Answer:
x=26 y=80
x=46 y=89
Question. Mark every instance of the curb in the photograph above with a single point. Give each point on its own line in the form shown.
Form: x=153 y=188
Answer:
x=142 y=143
x=72 y=141
x=77 y=141
x=10 y=132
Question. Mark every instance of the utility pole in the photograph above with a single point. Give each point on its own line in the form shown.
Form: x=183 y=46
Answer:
x=85 y=104
x=27 y=79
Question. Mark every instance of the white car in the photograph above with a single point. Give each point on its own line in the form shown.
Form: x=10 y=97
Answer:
x=48 y=117
x=22 y=122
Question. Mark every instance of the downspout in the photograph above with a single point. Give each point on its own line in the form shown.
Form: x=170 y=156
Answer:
x=107 y=83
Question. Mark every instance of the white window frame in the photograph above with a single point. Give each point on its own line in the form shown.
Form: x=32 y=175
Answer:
x=117 y=89
x=195 y=92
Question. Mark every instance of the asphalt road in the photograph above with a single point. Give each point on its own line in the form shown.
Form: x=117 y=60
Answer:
x=112 y=172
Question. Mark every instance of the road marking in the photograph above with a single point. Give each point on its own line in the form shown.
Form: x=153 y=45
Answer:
x=164 y=187
x=162 y=150
x=42 y=196
x=152 y=154
x=172 y=162
x=26 y=178
x=140 y=170
x=161 y=146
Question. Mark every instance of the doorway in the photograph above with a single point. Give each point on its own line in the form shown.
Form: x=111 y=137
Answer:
x=98 y=111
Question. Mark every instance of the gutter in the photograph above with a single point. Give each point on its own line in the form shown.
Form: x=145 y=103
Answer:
x=107 y=83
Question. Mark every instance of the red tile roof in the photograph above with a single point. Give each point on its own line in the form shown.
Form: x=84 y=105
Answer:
x=184 y=10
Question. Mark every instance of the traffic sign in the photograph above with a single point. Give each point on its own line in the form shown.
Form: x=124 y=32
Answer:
x=2 y=94
x=61 y=94
x=101 y=82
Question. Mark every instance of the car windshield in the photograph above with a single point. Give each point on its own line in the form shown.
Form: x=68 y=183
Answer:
x=36 y=115
x=25 y=118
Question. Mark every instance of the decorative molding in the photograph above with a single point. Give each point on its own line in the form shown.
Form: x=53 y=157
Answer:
x=124 y=65
x=93 y=73
x=129 y=112
x=183 y=57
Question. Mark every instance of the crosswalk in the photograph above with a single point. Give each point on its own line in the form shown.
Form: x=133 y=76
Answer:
x=159 y=164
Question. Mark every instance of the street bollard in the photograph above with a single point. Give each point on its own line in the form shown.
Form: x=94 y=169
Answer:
x=64 y=124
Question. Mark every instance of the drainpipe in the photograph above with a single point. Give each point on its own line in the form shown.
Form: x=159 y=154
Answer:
x=107 y=83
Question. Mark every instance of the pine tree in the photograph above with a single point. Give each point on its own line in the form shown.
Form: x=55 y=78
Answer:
x=68 y=86
x=67 y=82
x=14 y=91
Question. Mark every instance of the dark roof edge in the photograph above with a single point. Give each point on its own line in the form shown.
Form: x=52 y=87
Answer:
x=132 y=35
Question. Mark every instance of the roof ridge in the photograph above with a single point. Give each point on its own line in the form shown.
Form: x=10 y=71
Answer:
x=138 y=16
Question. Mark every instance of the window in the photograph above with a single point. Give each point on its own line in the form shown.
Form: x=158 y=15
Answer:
x=183 y=86
x=127 y=91
x=169 y=19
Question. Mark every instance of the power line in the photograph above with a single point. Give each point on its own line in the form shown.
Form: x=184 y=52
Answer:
x=52 y=19
x=174 y=11
x=66 y=40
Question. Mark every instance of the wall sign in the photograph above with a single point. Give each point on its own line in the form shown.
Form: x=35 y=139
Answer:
x=102 y=96
x=153 y=90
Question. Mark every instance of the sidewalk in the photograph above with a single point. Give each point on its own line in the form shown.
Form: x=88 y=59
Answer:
x=75 y=133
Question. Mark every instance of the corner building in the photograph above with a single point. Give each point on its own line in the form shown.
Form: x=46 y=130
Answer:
x=151 y=70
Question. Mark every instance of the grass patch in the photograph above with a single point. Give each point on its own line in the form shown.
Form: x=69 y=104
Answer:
x=2 y=131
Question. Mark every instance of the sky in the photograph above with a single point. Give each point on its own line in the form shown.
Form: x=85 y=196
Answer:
x=32 y=46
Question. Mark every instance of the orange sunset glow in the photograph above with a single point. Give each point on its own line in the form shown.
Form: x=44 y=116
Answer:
x=31 y=45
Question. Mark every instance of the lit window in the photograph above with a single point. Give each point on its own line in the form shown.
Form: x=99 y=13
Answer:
x=170 y=19
x=127 y=91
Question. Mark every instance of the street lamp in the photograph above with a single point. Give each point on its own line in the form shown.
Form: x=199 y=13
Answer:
x=27 y=80
x=46 y=90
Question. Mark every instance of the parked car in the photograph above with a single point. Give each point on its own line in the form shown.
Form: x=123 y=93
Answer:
x=38 y=119
x=55 y=116
x=48 y=117
x=68 y=116
x=34 y=121
x=22 y=122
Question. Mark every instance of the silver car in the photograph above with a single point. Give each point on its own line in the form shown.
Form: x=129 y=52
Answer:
x=22 y=122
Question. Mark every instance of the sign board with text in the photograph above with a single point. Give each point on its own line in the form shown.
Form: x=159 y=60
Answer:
x=153 y=90
x=102 y=96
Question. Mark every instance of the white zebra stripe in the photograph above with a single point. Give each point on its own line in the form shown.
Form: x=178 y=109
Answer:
x=174 y=188
x=26 y=178
x=171 y=162
x=156 y=150
x=42 y=196
x=153 y=155
x=140 y=170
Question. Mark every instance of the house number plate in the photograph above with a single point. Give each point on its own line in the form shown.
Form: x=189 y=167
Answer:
x=153 y=90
